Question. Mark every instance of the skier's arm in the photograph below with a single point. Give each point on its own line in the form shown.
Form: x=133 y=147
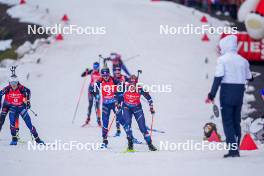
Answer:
x=219 y=74
x=27 y=93
x=215 y=86
x=147 y=96
x=2 y=93
x=149 y=99
x=86 y=72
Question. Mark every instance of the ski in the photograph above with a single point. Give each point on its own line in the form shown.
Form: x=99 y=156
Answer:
x=129 y=151
x=92 y=126
x=155 y=130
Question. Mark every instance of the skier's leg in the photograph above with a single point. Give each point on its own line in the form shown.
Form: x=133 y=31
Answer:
x=118 y=114
x=12 y=119
x=17 y=123
x=139 y=116
x=98 y=112
x=24 y=114
x=105 y=118
x=237 y=121
x=3 y=115
x=228 y=125
x=127 y=117
x=90 y=105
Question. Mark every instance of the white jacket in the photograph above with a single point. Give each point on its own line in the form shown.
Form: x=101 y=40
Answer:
x=232 y=67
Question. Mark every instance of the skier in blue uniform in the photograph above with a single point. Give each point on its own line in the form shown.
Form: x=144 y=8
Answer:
x=232 y=73
x=132 y=106
x=17 y=99
x=108 y=86
x=95 y=76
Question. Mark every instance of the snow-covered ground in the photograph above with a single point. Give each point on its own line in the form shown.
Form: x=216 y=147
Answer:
x=132 y=27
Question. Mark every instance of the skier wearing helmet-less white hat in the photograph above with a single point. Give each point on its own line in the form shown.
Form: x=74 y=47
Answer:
x=232 y=73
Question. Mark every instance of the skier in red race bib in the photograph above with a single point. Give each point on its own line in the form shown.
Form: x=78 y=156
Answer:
x=107 y=85
x=132 y=106
x=95 y=76
x=17 y=99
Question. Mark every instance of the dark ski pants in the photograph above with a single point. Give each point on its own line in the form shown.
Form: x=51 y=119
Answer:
x=15 y=111
x=106 y=115
x=4 y=112
x=120 y=115
x=91 y=98
x=231 y=117
x=137 y=111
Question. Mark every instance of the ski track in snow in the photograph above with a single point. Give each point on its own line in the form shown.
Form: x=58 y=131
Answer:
x=132 y=28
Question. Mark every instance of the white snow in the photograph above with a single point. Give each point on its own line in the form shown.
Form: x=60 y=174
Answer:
x=132 y=28
x=5 y=44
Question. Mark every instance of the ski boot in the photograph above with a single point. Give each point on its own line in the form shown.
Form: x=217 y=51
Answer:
x=14 y=141
x=232 y=154
x=118 y=132
x=151 y=147
x=130 y=147
x=86 y=122
x=105 y=143
x=39 y=141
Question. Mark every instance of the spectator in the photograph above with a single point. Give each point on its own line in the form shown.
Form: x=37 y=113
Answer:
x=232 y=71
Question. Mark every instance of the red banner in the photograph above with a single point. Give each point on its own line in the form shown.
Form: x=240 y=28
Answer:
x=252 y=50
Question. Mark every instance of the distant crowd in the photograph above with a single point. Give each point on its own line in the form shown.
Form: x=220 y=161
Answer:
x=218 y=7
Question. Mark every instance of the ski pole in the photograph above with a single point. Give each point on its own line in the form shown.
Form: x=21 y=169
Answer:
x=111 y=125
x=104 y=60
x=151 y=127
x=78 y=102
x=138 y=73
x=35 y=114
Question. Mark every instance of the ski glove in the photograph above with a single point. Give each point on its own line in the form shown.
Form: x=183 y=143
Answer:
x=85 y=73
x=28 y=105
x=210 y=98
x=151 y=109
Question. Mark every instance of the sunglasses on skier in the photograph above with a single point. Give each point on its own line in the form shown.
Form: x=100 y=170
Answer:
x=105 y=75
x=14 y=83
